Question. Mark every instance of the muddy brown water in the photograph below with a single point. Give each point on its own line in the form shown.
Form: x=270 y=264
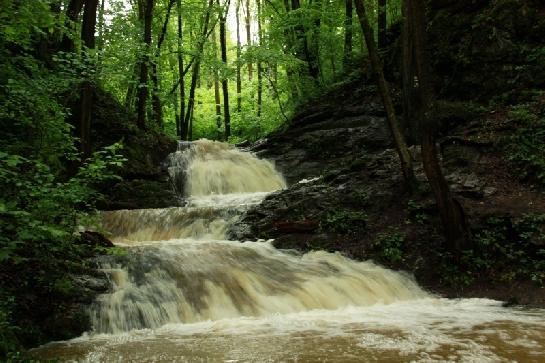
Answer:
x=185 y=294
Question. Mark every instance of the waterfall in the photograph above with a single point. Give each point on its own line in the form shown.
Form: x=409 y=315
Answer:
x=182 y=293
x=180 y=269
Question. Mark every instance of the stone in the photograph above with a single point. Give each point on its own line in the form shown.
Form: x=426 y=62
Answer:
x=488 y=191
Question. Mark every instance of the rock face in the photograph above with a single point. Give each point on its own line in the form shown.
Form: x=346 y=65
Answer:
x=336 y=156
x=346 y=193
x=325 y=135
x=145 y=181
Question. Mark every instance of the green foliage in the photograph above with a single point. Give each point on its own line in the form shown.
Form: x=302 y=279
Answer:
x=388 y=246
x=344 y=221
x=525 y=147
x=8 y=331
x=504 y=249
x=39 y=212
x=38 y=208
x=417 y=212
x=21 y=21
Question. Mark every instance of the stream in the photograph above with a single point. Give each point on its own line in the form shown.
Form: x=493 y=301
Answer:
x=184 y=293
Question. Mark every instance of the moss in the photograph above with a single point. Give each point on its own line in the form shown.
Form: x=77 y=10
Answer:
x=344 y=221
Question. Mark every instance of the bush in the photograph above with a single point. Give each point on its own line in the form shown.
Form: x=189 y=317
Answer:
x=525 y=146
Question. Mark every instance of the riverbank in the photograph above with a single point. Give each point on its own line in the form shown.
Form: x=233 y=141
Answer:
x=346 y=194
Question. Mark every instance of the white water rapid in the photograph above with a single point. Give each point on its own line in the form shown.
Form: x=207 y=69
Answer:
x=185 y=294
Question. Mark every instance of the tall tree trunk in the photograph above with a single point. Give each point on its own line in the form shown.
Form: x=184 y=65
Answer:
x=314 y=46
x=155 y=98
x=239 y=53
x=259 y=65
x=303 y=50
x=132 y=89
x=224 y=81
x=191 y=100
x=175 y=79
x=143 y=81
x=86 y=99
x=289 y=35
x=49 y=40
x=157 y=108
x=381 y=23
x=100 y=45
x=421 y=99
x=347 y=32
x=181 y=75
x=187 y=125
x=130 y=96
x=217 y=96
x=249 y=38
x=399 y=139
x=72 y=14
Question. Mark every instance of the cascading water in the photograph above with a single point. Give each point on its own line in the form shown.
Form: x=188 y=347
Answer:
x=184 y=293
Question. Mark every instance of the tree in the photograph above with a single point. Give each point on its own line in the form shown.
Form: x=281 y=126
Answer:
x=303 y=49
x=196 y=63
x=239 y=53
x=217 y=96
x=181 y=73
x=72 y=14
x=249 y=38
x=347 y=32
x=86 y=99
x=224 y=80
x=101 y=23
x=381 y=24
x=155 y=99
x=399 y=140
x=259 y=64
x=144 y=63
x=418 y=91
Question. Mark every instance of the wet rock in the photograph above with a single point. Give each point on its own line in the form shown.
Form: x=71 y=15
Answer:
x=472 y=182
x=328 y=135
x=488 y=191
x=90 y=285
x=94 y=239
x=141 y=193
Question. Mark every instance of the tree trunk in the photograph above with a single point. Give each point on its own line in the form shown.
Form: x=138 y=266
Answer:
x=181 y=75
x=381 y=22
x=72 y=13
x=130 y=96
x=143 y=80
x=224 y=81
x=302 y=50
x=132 y=89
x=187 y=126
x=86 y=99
x=399 y=140
x=191 y=100
x=314 y=46
x=347 y=33
x=155 y=99
x=239 y=53
x=249 y=38
x=217 y=96
x=175 y=78
x=421 y=98
x=100 y=45
x=259 y=65
x=289 y=36
x=156 y=106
